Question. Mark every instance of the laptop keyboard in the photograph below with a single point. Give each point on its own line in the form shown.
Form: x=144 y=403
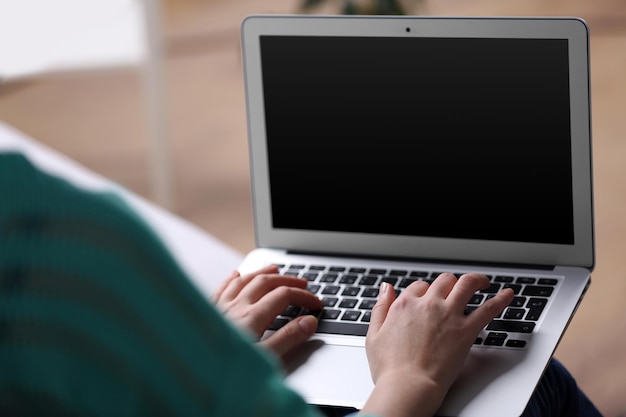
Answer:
x=350 y=292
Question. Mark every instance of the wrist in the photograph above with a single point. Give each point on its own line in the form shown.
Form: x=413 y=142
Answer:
x=402 y=394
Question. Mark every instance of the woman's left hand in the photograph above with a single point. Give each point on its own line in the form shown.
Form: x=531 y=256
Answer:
x=254 y=300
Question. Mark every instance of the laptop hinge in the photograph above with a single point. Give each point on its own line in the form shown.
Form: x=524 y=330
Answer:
x=422 y=260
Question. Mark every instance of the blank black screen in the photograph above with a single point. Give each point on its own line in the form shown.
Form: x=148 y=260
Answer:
x=441 y=137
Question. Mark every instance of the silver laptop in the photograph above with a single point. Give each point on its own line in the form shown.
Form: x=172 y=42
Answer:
x=395 y=148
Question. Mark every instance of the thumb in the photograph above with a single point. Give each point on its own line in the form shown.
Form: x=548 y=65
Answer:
x=291 y=335
x=386 y=296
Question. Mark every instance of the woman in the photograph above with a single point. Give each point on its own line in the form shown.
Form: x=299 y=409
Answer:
x=96 y=318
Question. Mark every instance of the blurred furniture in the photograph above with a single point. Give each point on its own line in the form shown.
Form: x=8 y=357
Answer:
x=60 y=36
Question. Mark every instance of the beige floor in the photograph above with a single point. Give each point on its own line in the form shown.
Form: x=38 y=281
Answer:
x=97 y=118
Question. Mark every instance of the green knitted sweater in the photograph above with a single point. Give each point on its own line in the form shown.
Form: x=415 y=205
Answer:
x=97 y=319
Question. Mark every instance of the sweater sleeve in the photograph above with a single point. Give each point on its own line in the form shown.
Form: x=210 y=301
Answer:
x=96 y=317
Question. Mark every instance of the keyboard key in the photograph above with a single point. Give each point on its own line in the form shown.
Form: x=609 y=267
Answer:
x=526 y=280
x=370 y=293
x=329 y=301
x=390 y=280
x=515 y=343
x=398 y=272
x=538 y=291
x=348 y=279
x=337 y=269
x=296 y=266
x=418 y=274
x=329 y=314
x=368 y=280
x=476 y=299
x=313 y=288
x=342 y=327
x=495 y=339
x=351 y=291
x=374 y=271
x=331 y=289
x=405 y=282
x=310 y=276
x=514 y=313
x=535 y=308
x=317 y=267
x=348 y=303
x=503 y=278
x=537 y=303
x=511 y=326
x=357 y=270
x=367 y=304
x=314 y=313
x=518 y=302
x=367 y=316
x=492 y=289
x=329 y=278
x=515 y=287
x=291 y=311
x=351 y=315
x=548 y=281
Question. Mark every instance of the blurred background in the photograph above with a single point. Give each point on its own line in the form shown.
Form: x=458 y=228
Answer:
x=171 y=125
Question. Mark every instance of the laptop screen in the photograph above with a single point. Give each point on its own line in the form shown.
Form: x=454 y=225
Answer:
x=439 y=137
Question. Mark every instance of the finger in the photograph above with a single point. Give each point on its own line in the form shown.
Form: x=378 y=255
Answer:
x=386 y=297
x=276 y=301
x=291 y=335
x=490 y=309
x=236 y=284
x=220 y=290
x=442 y=285
x=465 y=288
x=417 y=288
x=263 y=284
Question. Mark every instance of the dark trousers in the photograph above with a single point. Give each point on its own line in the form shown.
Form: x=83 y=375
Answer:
x=558 y=395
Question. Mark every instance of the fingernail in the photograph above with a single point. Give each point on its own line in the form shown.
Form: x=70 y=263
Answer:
x=308 y=324
x=385 y=287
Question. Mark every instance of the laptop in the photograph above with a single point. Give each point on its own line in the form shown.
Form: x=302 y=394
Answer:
x=391 y=149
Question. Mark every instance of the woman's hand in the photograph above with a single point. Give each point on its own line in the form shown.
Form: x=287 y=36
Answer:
x=417 y=343
x=253 y=301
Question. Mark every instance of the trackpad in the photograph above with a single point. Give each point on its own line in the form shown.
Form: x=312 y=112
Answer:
x=330 y=374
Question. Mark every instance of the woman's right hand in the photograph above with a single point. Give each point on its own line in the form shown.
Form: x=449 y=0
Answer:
x=417 y=344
